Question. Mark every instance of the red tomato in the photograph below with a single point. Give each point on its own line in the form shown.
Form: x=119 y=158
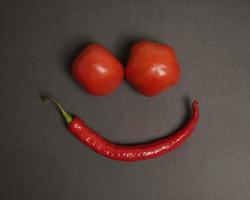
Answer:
x=97 y=70
x=152 y=67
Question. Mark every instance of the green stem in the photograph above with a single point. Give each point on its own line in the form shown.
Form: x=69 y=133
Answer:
x=68 y=118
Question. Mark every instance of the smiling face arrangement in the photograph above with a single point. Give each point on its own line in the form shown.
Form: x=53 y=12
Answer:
x=151 y=69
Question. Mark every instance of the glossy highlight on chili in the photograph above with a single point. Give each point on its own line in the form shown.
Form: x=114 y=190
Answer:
x=127 y=152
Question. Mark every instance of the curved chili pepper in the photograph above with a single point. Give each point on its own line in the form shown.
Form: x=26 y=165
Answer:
x=127 y=152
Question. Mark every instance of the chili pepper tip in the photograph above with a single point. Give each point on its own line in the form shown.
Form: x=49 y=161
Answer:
x=195 y=103
x=44 y=98
x=68 y=118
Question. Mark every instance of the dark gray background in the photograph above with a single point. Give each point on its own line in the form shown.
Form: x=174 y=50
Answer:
x=40 y=159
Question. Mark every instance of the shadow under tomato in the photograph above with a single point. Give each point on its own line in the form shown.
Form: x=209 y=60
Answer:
x=72 y=53
x=69 y=54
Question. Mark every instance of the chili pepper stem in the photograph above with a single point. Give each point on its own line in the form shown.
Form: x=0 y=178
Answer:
x=68 y=118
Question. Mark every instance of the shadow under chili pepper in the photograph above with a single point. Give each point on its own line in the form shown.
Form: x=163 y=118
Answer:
x=185 y=119
x=188 y=112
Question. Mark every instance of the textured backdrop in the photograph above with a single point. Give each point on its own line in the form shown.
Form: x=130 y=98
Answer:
x=41 y=160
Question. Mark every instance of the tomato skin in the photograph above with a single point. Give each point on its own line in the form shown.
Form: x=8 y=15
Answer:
x=97 y=70
x=152 y=67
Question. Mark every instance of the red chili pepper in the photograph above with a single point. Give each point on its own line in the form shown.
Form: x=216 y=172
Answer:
x=127 y=152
